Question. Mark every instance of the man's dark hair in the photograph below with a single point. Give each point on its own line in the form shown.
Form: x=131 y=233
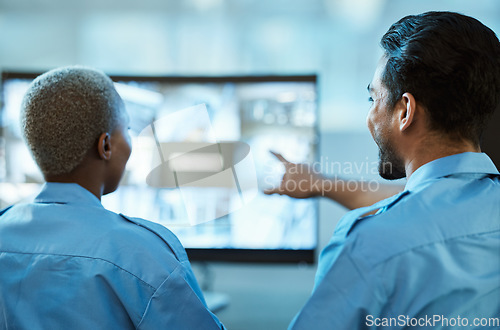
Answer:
x=451 y=65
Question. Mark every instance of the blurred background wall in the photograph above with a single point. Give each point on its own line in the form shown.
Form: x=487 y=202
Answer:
x=337 y=39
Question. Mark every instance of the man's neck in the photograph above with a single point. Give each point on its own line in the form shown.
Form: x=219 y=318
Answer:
x=427 y=152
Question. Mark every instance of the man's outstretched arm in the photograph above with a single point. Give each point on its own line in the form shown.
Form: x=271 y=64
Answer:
x=301 y=181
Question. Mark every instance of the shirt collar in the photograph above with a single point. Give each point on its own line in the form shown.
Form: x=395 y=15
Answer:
x=467 y=162
x=66 y=193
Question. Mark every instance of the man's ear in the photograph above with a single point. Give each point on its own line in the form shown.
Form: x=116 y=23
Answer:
x=104 y=146
x=407 y=111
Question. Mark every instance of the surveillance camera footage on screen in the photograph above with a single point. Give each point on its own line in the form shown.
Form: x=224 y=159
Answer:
x=200 y=160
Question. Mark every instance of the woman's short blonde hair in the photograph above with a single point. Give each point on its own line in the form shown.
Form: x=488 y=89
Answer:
x=63 y=114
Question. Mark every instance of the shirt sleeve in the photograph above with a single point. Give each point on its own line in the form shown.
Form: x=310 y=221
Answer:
x=175 y=305
x=344 y=299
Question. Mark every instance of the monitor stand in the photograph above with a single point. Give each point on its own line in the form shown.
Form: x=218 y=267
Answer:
x=216 y=301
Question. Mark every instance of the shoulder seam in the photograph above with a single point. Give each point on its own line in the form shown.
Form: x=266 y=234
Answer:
x=137 y=222
x=151 y=298
x=85 y=257
x=432 y=243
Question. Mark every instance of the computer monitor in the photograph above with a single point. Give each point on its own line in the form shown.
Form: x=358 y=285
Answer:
x=200 y=160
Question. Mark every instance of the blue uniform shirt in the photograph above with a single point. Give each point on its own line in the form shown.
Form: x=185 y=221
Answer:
x=68 y=263
x=430 y=257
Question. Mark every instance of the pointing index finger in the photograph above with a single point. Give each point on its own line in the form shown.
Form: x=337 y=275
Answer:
x=280 y=157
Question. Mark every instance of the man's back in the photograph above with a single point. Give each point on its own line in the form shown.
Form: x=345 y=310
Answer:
x=66 y=261
x=433 y=253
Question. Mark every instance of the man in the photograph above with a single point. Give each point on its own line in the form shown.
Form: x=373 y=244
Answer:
x=65 y=261
x=429 y=256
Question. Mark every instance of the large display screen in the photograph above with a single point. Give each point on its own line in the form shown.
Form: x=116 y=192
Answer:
x=200 y=161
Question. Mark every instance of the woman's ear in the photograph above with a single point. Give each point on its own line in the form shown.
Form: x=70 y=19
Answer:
x=104 y=146
x=407 y=113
